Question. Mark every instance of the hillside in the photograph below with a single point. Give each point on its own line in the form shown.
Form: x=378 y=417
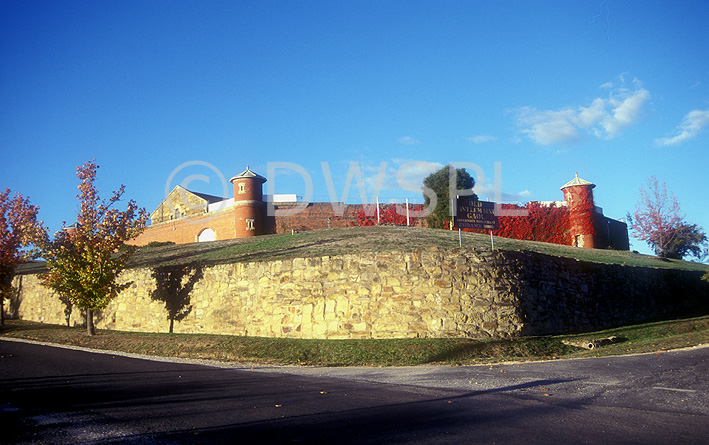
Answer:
x=375 y=239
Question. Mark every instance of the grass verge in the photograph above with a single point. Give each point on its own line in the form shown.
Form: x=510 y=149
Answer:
x=642 y=338
x=364 y=240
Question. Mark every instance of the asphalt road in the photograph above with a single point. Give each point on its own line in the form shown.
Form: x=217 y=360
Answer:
x=58 y=395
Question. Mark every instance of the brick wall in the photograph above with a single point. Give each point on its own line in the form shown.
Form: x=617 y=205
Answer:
x=321 y=215
x=228 y=224
x=182 y=231
x=317 y=215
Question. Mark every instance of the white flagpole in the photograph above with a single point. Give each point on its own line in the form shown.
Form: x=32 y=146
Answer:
x=407 y=212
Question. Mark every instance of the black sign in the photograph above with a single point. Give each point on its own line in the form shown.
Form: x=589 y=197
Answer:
x=474 y=214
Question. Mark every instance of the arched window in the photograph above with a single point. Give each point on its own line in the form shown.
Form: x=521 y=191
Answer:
x=207 y=235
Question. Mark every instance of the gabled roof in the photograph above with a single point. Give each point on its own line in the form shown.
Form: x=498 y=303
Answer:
x=577 y=181
x=208 y=199
x=211 y=199
x=248 y=174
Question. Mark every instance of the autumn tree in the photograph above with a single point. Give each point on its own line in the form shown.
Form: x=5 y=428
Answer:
x=20 y=232
x=657 y=220
x=441 y=183
x=84 y=263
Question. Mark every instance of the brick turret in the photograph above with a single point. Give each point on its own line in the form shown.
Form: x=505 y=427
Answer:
x=250 y=210
x=578 y=193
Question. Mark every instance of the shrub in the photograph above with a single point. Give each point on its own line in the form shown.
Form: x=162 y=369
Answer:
x=159 y=243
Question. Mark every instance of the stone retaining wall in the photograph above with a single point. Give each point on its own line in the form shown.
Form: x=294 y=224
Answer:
x=422 y=293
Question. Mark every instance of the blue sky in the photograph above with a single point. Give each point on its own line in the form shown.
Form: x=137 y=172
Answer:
x=616 y=91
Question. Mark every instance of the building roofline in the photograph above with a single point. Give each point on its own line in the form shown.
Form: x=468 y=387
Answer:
x=577 y=181
x=248 y=174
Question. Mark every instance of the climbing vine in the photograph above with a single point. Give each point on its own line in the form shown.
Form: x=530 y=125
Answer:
x=549 y=224
x=581 y=219
x=388 y=214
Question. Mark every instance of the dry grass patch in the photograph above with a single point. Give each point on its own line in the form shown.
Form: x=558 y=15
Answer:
x=363 y=240
x=648 y=337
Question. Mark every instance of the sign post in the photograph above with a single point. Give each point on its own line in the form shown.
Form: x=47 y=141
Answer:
x=474 y=214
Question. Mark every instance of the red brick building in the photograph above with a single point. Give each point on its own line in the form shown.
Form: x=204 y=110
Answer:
x=186 y=217
x=588 y=226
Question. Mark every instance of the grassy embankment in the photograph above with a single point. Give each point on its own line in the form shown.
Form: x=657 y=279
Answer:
x=649 y=337
x=360 y=240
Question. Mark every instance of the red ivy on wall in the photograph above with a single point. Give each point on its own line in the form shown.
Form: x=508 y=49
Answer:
x=546 y=223
x=581 y=219
x=549 y=224
x=387 y=214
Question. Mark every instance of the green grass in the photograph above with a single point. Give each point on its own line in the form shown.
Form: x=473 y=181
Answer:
x=373 y=240
x=647 y=337
x=378 y=239
x=364 y=240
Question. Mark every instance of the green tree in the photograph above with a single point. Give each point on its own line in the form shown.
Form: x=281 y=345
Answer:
x=84 y=263
x=20 y=232
x=687 y=240
x=440 y=183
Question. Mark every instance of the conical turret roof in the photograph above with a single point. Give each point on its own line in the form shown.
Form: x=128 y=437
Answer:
x=577 y=181
x=248 y=174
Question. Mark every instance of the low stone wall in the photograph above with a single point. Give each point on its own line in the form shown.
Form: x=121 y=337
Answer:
x=422 y=293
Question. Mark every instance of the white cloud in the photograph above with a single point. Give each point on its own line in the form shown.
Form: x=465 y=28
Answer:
x=481 y=139
x=487 y=191
x=604 y=117
x=412 y=173
x=626 y=110
x=548 y=127
x=692 y=123
x=408 y=140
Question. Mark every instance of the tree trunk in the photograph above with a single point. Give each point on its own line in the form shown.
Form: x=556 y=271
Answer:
x=2 y=312
x=90 y=331
x=172 y=322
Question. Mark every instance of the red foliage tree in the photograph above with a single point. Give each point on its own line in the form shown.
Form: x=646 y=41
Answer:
x=19 y=229
x=657 y=221
x=84 y=264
